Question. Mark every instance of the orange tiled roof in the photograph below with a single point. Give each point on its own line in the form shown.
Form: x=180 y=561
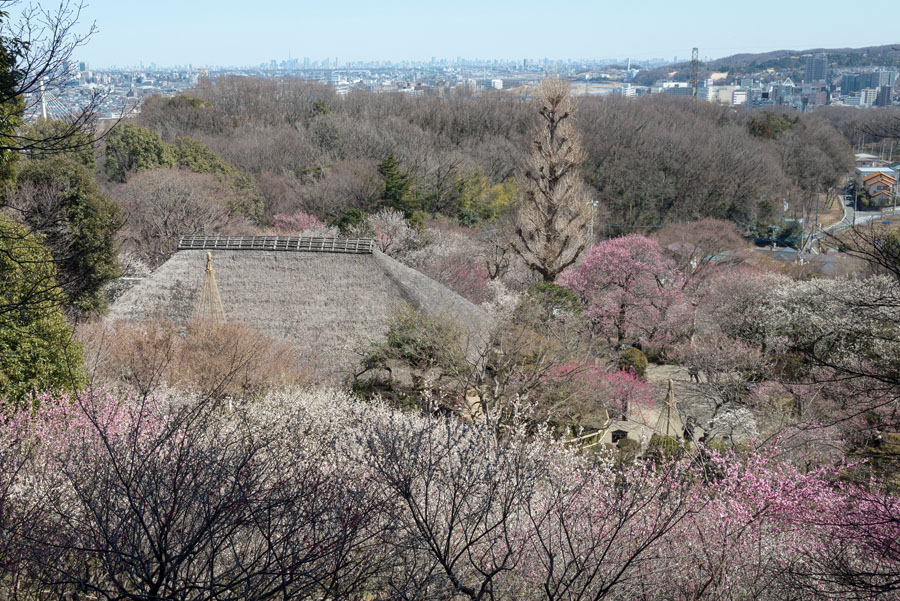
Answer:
x=879 y=174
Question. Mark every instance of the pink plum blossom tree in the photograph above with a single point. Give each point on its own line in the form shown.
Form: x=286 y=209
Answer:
x=629 y=289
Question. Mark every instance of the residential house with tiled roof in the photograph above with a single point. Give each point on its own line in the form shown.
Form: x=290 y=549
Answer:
x=879 y=184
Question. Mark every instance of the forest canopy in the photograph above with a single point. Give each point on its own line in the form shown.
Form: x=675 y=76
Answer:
x=647 y=161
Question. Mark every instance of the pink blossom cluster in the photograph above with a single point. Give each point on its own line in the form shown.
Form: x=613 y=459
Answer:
x=629 y=289
x=617 y=390
x=466 y=276
x=299 y=222
x=104 y=493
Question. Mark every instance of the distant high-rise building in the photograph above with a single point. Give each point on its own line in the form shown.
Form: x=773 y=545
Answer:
x=856 y=82
x=850 y=84
x=878 y=79
x=626 y=90
x=816 y=68
x=868 y=96
x=885 y=96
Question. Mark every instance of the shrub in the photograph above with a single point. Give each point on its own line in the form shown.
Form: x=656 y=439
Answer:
x=417 y=339
x=663 y=448
x=234 y=360
x=628 y=450
x=354 y=222
x=633 y=359
x=554 y=300
x=218 y=360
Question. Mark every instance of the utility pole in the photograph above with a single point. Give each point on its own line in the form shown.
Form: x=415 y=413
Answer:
x=593 y=204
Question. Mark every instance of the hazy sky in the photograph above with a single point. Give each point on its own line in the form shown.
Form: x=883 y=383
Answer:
x=225 y=32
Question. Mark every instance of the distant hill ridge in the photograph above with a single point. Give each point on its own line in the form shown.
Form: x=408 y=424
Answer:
x=843 y=57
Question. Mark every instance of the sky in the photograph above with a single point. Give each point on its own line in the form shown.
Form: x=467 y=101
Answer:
x=229 y=33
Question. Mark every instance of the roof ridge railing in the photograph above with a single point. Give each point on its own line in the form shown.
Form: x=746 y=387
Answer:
x=326 y=244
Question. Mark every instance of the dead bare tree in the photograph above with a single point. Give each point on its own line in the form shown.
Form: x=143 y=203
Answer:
x=553 y=215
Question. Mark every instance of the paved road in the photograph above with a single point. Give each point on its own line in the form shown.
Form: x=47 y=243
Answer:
x=851 y=218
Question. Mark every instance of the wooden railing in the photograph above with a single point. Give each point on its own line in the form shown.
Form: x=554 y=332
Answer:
x=357 y=246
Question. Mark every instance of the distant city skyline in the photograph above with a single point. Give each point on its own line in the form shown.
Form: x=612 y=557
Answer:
x=226 y=33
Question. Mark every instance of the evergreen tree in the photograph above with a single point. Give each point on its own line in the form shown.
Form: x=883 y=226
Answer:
x=132 y=148
x=196 y=156
x=58 y=198
x=36 y=347
x=397 y=184
x=78 y=146
x=11 y=104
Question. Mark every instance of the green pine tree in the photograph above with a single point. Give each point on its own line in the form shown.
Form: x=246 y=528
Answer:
x=397 y=185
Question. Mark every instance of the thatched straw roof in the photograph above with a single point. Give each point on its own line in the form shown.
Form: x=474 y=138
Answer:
x=330 y=306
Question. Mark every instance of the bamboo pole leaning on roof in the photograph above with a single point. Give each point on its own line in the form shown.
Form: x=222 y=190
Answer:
x=209 y=306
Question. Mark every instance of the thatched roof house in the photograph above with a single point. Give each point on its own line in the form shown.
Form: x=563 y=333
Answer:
x=329 y=298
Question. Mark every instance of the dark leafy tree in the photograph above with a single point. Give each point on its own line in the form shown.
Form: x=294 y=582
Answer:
x=194 y=155
x=83 y=147
x=58 y=199
x=130 y=148
x=36 y=349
